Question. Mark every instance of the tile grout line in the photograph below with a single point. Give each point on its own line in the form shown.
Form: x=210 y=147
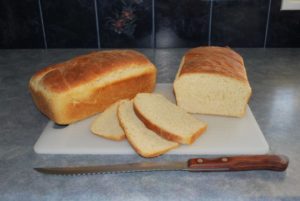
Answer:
x=267 y=24
x=97 y=24
x=153 y=25
x=210 y=22
x=43 y=26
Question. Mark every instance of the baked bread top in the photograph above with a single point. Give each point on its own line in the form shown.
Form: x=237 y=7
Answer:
x=215 y=60
x=81 y=70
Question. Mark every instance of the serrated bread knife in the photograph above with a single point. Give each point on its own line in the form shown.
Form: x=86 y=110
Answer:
x=234 y=163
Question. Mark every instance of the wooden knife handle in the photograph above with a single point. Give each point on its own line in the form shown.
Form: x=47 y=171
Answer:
x=239 y=163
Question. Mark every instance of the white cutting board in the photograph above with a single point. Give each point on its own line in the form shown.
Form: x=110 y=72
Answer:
x=224 y=136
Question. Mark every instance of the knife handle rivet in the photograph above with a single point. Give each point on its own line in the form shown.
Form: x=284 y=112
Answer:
x=200 y=160
x=224 y=159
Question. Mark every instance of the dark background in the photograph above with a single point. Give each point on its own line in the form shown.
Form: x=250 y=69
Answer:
x=146 y=24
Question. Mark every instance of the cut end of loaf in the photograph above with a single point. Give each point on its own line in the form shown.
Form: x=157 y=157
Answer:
x=212 y=80
x=212 y=94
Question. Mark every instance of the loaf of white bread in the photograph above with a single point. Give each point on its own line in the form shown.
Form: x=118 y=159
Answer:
x=212 y=80
x=88 y=84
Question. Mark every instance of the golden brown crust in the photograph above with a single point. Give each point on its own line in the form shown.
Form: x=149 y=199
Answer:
x=197 y=135
x=98 y=101
x=165 y=134
x=214 y=60
x=136 y=149
x=103 y=97
x=41 y=102
x=83 y=69
x=53 y=97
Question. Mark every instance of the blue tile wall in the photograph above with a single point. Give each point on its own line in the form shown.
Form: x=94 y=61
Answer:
x=184 y=23
x=239 y=23
x=69 y=23
x=284 y=27
x=125 y=23
x=146 y=24
x=20 y=24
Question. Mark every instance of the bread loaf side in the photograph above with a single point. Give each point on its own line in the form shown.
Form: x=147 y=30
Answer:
x=88 y=84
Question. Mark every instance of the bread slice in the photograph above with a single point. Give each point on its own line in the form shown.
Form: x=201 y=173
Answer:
x=107 y=124
x=167 y=119
x=144 y=141
x=212 y=80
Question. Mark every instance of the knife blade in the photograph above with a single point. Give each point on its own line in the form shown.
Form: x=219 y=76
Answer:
x=233 y=163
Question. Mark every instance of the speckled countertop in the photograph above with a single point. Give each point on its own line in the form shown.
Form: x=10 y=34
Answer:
x=275 y=78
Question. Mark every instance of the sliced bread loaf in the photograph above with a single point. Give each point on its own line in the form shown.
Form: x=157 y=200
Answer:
x=167 y=119
x=144 y=141
x=107 y=124
x=212 y=80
